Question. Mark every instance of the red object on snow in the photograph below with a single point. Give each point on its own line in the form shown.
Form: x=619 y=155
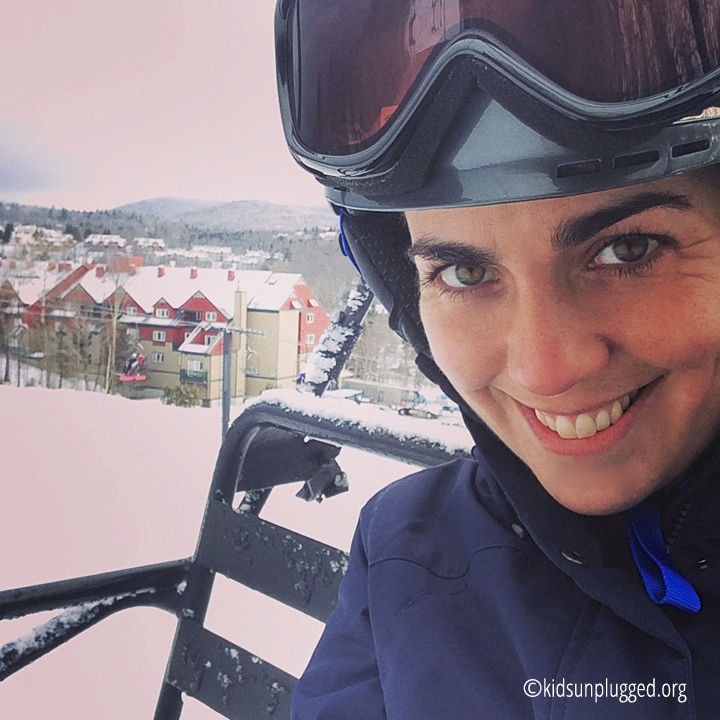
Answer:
x=132 y=378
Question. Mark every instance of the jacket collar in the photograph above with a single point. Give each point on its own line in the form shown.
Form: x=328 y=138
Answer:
x=592 y=550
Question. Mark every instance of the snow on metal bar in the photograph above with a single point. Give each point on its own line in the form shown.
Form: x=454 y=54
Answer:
x=455 y=439
x=337 y=342
x=45 y=637
x=296 y=570
x=226 y=678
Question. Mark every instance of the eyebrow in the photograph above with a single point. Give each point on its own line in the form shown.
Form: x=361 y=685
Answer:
x=435 y=249
x=570 y=234
x=578 y=230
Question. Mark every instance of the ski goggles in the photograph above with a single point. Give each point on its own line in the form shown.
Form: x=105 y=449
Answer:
x=353 y=75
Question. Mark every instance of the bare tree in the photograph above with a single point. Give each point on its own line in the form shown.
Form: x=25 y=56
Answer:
x=118 y=299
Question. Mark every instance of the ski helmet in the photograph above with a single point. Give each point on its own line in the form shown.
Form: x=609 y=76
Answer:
x=417 y=104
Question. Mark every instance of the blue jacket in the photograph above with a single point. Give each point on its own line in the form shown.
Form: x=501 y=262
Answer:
x=472 y=594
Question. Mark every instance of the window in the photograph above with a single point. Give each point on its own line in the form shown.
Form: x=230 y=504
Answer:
x=211 y=316
x=158 y=357
x=309 y=339
x=188 y=333
x=159 y=336
x=195 y=365
x=310 y=319
x=131 y=310
x=162 y=313
x=209 y=339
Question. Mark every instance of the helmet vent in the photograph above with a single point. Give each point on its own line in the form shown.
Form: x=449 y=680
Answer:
x=690 y=148
x=585 y=167
x=648 y=157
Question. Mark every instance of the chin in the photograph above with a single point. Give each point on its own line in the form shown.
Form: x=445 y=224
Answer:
x=596 y=493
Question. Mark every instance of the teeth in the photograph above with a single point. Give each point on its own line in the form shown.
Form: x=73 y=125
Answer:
x=584 y=425
x=602 y=421
x=566 y=428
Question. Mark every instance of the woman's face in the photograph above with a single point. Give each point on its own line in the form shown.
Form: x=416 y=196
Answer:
x=585 y=331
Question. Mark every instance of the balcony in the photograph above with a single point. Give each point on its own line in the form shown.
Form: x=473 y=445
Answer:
x=193 y=376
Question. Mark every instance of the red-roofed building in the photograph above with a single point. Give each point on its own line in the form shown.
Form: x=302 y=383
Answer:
x=176 y=318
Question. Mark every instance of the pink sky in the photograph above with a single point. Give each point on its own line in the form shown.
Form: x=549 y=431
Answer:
x=105 y=103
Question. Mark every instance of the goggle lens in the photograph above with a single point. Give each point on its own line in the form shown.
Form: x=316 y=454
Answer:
x=356 y=62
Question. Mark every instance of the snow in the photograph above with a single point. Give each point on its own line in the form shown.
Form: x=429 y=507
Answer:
x=322 y=362
x=30 y=282
x=60 y=624
x=265 y=290
x=94 y=483
x=370 y=418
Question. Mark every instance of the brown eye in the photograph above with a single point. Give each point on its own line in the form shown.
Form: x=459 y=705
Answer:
x=627 y=250
x=459 y=276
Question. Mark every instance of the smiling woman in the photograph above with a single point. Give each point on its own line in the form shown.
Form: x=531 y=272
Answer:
x=599 y=319
x=531 y=189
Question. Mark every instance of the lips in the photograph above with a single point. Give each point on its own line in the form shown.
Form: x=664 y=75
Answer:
x=593 y=440
x=585 y=425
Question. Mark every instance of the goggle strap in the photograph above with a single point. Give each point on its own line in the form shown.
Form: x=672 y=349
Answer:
x=345 y=246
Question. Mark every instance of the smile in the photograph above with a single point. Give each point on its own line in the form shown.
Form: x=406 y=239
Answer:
x=594 y=430
x=585 y=425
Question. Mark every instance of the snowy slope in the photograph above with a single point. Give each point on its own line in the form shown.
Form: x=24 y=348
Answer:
x=92 y=483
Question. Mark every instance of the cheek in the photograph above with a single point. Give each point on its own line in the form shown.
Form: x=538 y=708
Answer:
x=672 y=329
x=461 y=343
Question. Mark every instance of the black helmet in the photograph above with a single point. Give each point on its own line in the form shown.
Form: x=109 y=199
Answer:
x=415 y=104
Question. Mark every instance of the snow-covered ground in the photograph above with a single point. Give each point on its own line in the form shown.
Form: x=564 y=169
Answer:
x=92 y=483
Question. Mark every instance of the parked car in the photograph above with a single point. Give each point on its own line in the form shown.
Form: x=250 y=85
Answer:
x=423 y=410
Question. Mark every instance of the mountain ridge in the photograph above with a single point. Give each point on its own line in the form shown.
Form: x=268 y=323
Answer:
x=246 y=214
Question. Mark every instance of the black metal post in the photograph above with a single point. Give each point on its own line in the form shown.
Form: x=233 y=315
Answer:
x=337 y=343
x=226 y=379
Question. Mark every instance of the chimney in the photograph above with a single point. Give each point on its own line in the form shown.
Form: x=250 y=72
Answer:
x=193 y=273
x=161 y=270
x=51 y=267
x=231 y=275
x=99 y=271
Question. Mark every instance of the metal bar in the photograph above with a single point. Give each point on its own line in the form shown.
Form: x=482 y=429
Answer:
x=296 y=570
x=170 y=703
x=65 y=626
x=52 y=596
x=226 y=678
x=337 y=342
x=226 y=380
x=382 y=441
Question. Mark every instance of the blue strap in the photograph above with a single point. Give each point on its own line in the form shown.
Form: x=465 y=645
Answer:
x=663 y=581
x=345 y=245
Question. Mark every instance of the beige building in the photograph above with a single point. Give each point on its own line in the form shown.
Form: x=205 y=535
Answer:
x=178 y=319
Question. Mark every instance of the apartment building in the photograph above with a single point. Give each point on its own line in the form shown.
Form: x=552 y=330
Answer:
x=180 y=318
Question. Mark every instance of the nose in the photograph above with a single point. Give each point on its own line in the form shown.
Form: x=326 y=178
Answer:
x=553 y=343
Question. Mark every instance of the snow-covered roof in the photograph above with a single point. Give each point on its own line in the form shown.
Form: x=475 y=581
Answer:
x=265 y=290
x=191 y=347
x=33 y=281
x=274 y=292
